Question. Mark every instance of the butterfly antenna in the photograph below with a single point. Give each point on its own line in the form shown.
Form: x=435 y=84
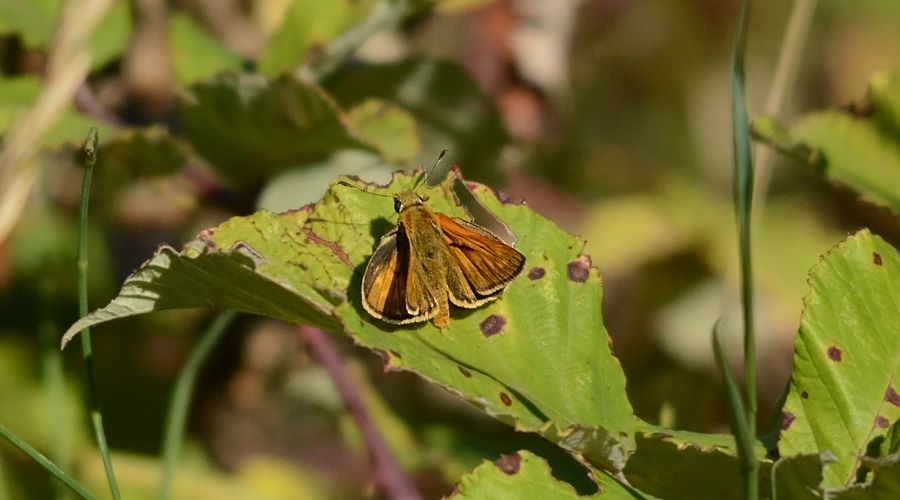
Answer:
x=431 y=170
x=345 y=183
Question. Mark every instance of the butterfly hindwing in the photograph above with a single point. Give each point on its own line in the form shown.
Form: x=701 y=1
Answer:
x=384 y=282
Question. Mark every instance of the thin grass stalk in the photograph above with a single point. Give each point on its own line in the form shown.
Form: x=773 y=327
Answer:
x=173 y=435
x=90 y=150
x=46 y=463
x=743 y=199
x=383 y=14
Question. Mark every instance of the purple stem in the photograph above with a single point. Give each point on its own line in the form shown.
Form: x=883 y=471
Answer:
x=89 y=105
x=389 y=476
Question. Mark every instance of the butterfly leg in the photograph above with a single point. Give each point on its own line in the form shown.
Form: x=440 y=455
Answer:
x=442 y=316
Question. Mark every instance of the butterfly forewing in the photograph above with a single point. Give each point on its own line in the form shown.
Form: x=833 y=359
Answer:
x=487 y=263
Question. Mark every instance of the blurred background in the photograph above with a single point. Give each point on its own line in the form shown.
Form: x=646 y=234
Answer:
x=610 y=117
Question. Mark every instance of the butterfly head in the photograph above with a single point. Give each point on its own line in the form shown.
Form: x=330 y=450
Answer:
x=407 y=198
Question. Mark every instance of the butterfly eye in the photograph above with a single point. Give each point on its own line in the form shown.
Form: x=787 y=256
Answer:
x=397 y=206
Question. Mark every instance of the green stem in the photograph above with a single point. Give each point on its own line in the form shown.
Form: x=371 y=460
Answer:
x=181 y=398
x=743 y=197
x=4 y=484
x=45 y=462
x=53 y=384
x=94 y=409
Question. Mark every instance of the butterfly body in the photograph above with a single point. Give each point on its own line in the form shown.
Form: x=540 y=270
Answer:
x=431 y=260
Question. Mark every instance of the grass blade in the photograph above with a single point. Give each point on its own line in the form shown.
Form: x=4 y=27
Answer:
x=745 y=434
x=181 y=398
x=51 y=467
x=90 y=150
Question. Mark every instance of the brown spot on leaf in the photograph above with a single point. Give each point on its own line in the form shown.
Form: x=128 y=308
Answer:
x=861 y=109
x=336 y=249
x=536 y=273
x=881 y=422
x=804 y=395
x=385 y=359
x=294 y=211
x=506 y=399
x=206 y=236
x=787 y=418
x=891 y=396
x=465 y=372
x=507 y=199
x=876 y=258
x=579 y=270
x=834 y=353
x=492 y=325
x=509 y=464
x=315 y=51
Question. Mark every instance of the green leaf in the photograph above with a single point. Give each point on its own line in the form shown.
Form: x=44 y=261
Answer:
x=129 y=157
x=843 y=392
x=885 y=482
x=308 y=26
x=195 y=53
x=390 y=129
x=17 y=94
x=113 y=35
x=524 y=476
x=142 y=152
x=250 y=127
x=799 y=477
x=538 y=359
x=452 y=111
x=860 y=150
x=35 y=21
x=678 y=465
x=884 y=94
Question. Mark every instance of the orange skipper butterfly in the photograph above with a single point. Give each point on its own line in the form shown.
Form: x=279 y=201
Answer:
x=431 y=260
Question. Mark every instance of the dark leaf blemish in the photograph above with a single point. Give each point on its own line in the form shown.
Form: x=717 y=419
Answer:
x=787 y=418
x=876 y=258
x=507 y=199
x=385 y=357
x=804 y=395
x=579 y=270
x=465 y=372
x=536 y=273
x=891 y=396
x=492 y=325
x=506 y=399
x=881 y=422
x=315 y=51
x=305 y=208
x=509 y=464
x=834 y=353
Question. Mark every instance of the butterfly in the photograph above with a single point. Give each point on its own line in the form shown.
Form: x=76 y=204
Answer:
x=431 y=260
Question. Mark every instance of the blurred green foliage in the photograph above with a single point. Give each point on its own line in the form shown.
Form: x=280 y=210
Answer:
x=610 y=118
